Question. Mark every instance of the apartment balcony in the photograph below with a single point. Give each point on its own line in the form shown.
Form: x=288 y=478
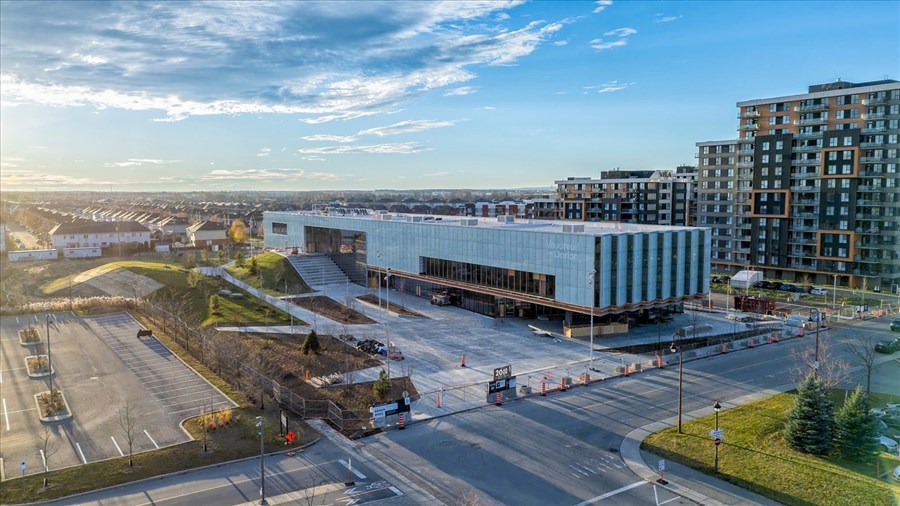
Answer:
x=867 y=217
x=806 y=161
x=749 y=127
x=804 y=215
x=872 y=130
x=808 y=135
x=749 y=114
x=868 y=230
x=806 y=202
x=866 y=202
x=745 y=152
x=802 y=228
x=745 y=165
x=867 y=259
x=871 y=144
x=879 y=159
x=804 y=189
x=876 y=115
x=807 y=148
x=811 y=121
x=874 y=101
x=810 y=107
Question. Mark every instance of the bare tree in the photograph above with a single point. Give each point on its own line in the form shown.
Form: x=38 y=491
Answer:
x=469 y=497
x=204 y=405
x=831 y=369
x=311 y=492
x=278 y=275
x=48 y=448
x=126 y=424
x=864 y=353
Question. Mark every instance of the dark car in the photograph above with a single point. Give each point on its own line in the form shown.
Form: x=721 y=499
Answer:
x=895 y=325
x=887 y=346
x=787 y=287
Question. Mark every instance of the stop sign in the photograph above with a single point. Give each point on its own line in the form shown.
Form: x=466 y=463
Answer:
x=717 y=441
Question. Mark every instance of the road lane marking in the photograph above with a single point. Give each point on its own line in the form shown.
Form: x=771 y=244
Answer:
x=669 y=500
x=151 y=439
x=617 y=491
x=5 y=414
x=80 y=453
x=358 y=474
x=395 y=490
x=17 y=320
x=655 y=495
x=117 y=446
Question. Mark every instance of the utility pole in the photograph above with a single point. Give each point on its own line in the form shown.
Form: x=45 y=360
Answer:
x=262 y=464
x=49 y=360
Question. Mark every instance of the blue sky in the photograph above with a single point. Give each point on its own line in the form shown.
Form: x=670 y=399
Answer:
x=135 y=96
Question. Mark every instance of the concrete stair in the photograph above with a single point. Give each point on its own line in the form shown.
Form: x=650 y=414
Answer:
x=317 y=270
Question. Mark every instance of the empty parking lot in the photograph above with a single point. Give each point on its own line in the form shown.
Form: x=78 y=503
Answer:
x=100 y=365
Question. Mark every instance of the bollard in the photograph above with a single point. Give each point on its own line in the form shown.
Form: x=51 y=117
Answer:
x=724 y=348
x=626 y=370
x=400 y=424
x=769 y=339
x=562 y=385
x=543 y=389
x=659 y=362
x=499 y=402
x=751 y=343
x=587 y=378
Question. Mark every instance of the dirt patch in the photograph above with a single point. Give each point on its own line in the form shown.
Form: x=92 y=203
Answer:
x=119 y=282
x=371 y=299
x=332 y=309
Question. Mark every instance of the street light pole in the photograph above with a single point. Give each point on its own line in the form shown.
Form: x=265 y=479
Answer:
x=716 y=408
x=814 y=313
x=262 y=464
x=593 y=276
x=49 y=360
x=834 y=294
x=680 y=351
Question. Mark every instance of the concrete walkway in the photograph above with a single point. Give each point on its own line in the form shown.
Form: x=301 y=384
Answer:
x=694 y=485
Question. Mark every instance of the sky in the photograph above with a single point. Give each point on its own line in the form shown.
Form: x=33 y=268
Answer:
x=133 y=96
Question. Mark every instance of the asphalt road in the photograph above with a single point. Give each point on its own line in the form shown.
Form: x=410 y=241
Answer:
x=562 y=449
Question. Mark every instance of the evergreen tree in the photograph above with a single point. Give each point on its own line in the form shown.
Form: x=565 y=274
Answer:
x=311 y=344
x=809 y=422
x=854 y=429
x=214 y=304
x=254 y=266
x=382 y=387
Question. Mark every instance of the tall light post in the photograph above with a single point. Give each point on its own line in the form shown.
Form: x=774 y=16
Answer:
x=378 y=256
x=815 y=315
x=680 y=351
x=716 y=408
x=49 y=360
x=262 y=464
x=387 y=300
x=591 y=278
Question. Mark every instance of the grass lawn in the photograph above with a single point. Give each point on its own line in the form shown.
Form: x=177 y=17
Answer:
x=754 y=456
x=268 y=264
x=235 y=441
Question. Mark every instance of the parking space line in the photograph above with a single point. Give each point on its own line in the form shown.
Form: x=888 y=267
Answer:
x=614 y=492
x=182 y=411
x=117 y=446
x=152 y=367
x=5 y=414
x=151 y=439
x=395 y=490
x=173 y=397
x=170 y=378
x=189 y=385
x=81 y=453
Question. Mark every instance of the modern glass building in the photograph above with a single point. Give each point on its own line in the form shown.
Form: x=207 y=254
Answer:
x=503 y=266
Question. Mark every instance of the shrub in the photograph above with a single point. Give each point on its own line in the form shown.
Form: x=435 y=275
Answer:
x=311 y=344
x=382 y=387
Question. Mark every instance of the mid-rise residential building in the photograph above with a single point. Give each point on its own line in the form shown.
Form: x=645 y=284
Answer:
x=658 y=197
x=810 y=191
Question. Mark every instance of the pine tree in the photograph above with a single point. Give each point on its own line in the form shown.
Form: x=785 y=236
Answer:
x=810 y=421
x=854 y=431
x=311 y=344
x=382 y=387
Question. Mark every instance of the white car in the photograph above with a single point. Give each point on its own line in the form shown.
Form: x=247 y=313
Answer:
x=818 y=291
x=887 y=443
x=897 y=473
x=877 y=412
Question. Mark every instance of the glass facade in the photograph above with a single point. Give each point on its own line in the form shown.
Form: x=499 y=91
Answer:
x=530 y=283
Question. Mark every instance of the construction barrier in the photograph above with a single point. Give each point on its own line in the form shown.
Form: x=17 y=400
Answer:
x=562 y=384
x=543 y=389
x=400 y=424
x=499 y=401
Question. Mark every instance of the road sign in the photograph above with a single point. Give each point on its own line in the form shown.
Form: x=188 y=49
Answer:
x=717 y=441
x=502 y=372
x=718 y=434
x=290 y=436
x=502 y=385
x=22 y=466
x=662 y=465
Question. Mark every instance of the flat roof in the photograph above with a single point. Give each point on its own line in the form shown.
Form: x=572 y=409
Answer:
x=524 y=225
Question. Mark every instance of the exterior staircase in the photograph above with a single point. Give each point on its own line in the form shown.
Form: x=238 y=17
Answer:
x=317 y=270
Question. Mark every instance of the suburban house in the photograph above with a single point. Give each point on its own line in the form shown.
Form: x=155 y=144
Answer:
x=99 y=234
x=207 y=233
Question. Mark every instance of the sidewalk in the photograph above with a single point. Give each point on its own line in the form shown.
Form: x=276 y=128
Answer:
x=690 y=483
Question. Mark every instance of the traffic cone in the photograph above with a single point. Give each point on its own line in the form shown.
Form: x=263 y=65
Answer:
x=307 y=375
x=724 y=348
x=499 y=402
x=626 y=370
x=462 y=362
x=543 y=389
x=751 y=343
x=400 y=424
x=437 y=399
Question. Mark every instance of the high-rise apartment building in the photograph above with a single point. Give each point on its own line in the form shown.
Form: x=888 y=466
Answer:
x=657 y=197
x=811 y=188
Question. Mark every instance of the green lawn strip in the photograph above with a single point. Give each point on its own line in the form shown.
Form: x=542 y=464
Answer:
x=265 y=281
x=754 y=456
x=237 y=440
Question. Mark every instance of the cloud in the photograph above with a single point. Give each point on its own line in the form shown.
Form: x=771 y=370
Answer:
x=30 y=178
x=403 y=148
x=489 y=108
x=561 y=43
x=408 y=126
x=601 y=5
x=10 y=161
x=436 y=174
x=666 y=19
x=462 y=90
x=136 y=162
x=319 y=60
x=610 y=87
x=621 y=39
x=279 y=174
x=264 y=152
x=329 y=138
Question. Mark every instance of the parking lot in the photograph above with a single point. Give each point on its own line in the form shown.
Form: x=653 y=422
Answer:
x=100 y=366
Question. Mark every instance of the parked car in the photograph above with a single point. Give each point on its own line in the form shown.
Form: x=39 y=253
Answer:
x=818 y=291
x=897 y=473
x=895 y=325
x=887 y=346
x=887 y=443
x=787 y=287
